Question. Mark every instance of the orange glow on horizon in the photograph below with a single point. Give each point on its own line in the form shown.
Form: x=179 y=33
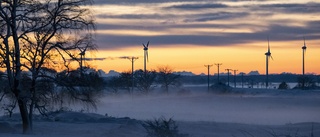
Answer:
x=192 y=58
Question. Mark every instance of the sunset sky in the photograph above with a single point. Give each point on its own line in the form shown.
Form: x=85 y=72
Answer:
x=188 y=34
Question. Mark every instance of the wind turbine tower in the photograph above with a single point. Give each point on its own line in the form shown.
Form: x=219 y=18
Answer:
x=268 y=56
x=82 y=57
x=304 y=49
x=145 y=49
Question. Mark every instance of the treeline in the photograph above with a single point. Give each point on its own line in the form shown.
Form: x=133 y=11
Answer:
x=310 y=80
x=144 y=81
x=53 y=90
x=277 y=78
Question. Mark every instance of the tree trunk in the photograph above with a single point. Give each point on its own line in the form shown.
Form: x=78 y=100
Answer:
x=24 y=116
x=33 y=101
x=17 y=63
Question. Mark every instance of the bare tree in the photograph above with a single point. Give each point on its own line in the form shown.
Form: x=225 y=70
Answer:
x=34 y=33
x=144 y=80
x=114 y=84
x=166 y=77
x=306 y=82
x=126 y=80
x=78 y=86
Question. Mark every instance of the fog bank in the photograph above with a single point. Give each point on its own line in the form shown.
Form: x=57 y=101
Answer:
x=235 y=108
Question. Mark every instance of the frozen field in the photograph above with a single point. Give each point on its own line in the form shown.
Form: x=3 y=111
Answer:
x=243 y=113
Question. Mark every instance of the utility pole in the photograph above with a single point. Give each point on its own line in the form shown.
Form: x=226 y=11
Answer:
x=228 y=74
x=132 y=59
x=234 y=78
x=242 y=79
x=208 y=66
x=218 y=65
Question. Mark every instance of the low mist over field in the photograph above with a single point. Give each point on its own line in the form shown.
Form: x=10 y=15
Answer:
x=256 y=106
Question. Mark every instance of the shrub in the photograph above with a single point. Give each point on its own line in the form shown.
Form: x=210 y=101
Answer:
x=162 y=128
x=283 y=85
x=221 y=87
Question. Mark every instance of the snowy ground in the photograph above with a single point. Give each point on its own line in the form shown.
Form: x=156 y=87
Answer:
x=243 y=113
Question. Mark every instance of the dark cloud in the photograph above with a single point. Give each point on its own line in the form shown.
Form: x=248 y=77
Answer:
x=275 y=32
x=291 y=8
x=99 y=2
x=218 y=16
x=132 y=16
x=276 y=29
x=198 y=6
x=283 y=32
x=114 y=27
x=113 y=41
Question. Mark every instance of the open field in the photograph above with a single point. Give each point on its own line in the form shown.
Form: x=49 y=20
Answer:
x=242 y=113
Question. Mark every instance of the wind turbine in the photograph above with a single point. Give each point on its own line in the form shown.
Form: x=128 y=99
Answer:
x=82 y=56
x=268 y=55
x=304 y=49
x=145 y=48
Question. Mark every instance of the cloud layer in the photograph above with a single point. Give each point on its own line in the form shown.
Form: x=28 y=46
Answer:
x=123 y=23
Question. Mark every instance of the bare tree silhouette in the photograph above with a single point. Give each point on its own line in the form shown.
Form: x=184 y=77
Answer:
x=166 y=77
x=34 y=33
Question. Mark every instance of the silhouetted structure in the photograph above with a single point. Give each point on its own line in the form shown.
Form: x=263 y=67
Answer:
x=208 y=66
x=242 y=79
x=228 y=75
x=234 y=78
x=268 y=55
x=145 y=49
x=304 y=48
x=82 y=55
x=132 y=59
x=218 y=65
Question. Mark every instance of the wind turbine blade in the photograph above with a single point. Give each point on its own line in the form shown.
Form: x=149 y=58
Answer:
x=148 y=44
x=271 y=57
x=144 y=45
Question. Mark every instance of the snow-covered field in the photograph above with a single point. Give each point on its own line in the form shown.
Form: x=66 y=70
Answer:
x=243 y=113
